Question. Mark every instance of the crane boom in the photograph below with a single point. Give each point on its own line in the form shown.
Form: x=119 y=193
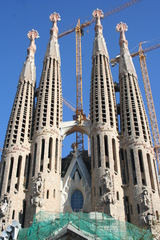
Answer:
x=150 y=104
x=116 y=60
x=88 y=23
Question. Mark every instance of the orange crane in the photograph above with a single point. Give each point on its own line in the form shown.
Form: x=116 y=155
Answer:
x=79 y=31
x=150 y=103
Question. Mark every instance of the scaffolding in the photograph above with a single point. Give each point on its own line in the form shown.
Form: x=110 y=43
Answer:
x=94 y=225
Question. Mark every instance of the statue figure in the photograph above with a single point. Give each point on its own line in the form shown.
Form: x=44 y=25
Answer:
x=107 y=180
x=39 y=185
x=146 y=198
x=4 y=205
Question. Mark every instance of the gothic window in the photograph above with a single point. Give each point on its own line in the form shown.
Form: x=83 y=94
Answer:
x=133 y=167
x=123 y=167
x=100 y=191
x=10 y=174
x=150 y=172
x=93 y=157
x=18 y=172
x=114 y=155
x=50 y=152
x=47 y=196
x=56 y=154
x=126 y=163
x=106 y=150
x=98 y=151
x=34 y=159
x=3 y=171
x=141 y=166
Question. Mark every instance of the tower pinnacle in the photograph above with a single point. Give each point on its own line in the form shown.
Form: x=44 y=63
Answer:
x=98 y=14
x=54 y=17
x=122 y=27
x=32 y=48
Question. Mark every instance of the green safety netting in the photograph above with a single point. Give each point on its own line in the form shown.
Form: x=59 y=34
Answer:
x=95 y=225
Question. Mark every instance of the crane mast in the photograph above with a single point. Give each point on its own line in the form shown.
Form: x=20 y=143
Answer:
x=150 y=104
x=79 y=102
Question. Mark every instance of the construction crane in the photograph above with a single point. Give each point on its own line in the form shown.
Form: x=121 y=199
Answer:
x=79 y=32
x=150 y=103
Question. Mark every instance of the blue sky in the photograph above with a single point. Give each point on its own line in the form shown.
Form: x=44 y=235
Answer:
x=17 y=17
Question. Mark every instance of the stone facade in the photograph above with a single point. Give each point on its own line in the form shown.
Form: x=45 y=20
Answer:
x=120 y=178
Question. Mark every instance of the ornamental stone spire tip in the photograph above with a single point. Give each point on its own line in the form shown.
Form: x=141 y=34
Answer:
x=54 y=17
x=32 y=47
x=122 y=27
x=97 y=14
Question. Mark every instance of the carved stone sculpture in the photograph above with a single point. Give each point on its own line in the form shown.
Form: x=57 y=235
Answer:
x=107 y=180
x=38 y=191
x=146 y=199
x=4 y=205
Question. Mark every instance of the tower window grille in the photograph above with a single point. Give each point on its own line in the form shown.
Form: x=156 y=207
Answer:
x=140 y=107
x=91 y=98
x=126 y=103
x=109 y=93
x=135 y=120
x=52 y=95
x=102 y=90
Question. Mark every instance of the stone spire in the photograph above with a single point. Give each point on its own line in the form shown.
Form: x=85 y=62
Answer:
x=47 y=142
x=28 y=70
x=125 y=63
x=99 y=42
x=104 y=125
x=136 y=152
x=16 y=152
x=53 y=46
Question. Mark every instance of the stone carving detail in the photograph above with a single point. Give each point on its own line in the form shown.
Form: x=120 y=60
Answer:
x=109 y=196
x=37 y=198
x=107 y=180
x=146 y=199
x=150 y=219
x=5 y=206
